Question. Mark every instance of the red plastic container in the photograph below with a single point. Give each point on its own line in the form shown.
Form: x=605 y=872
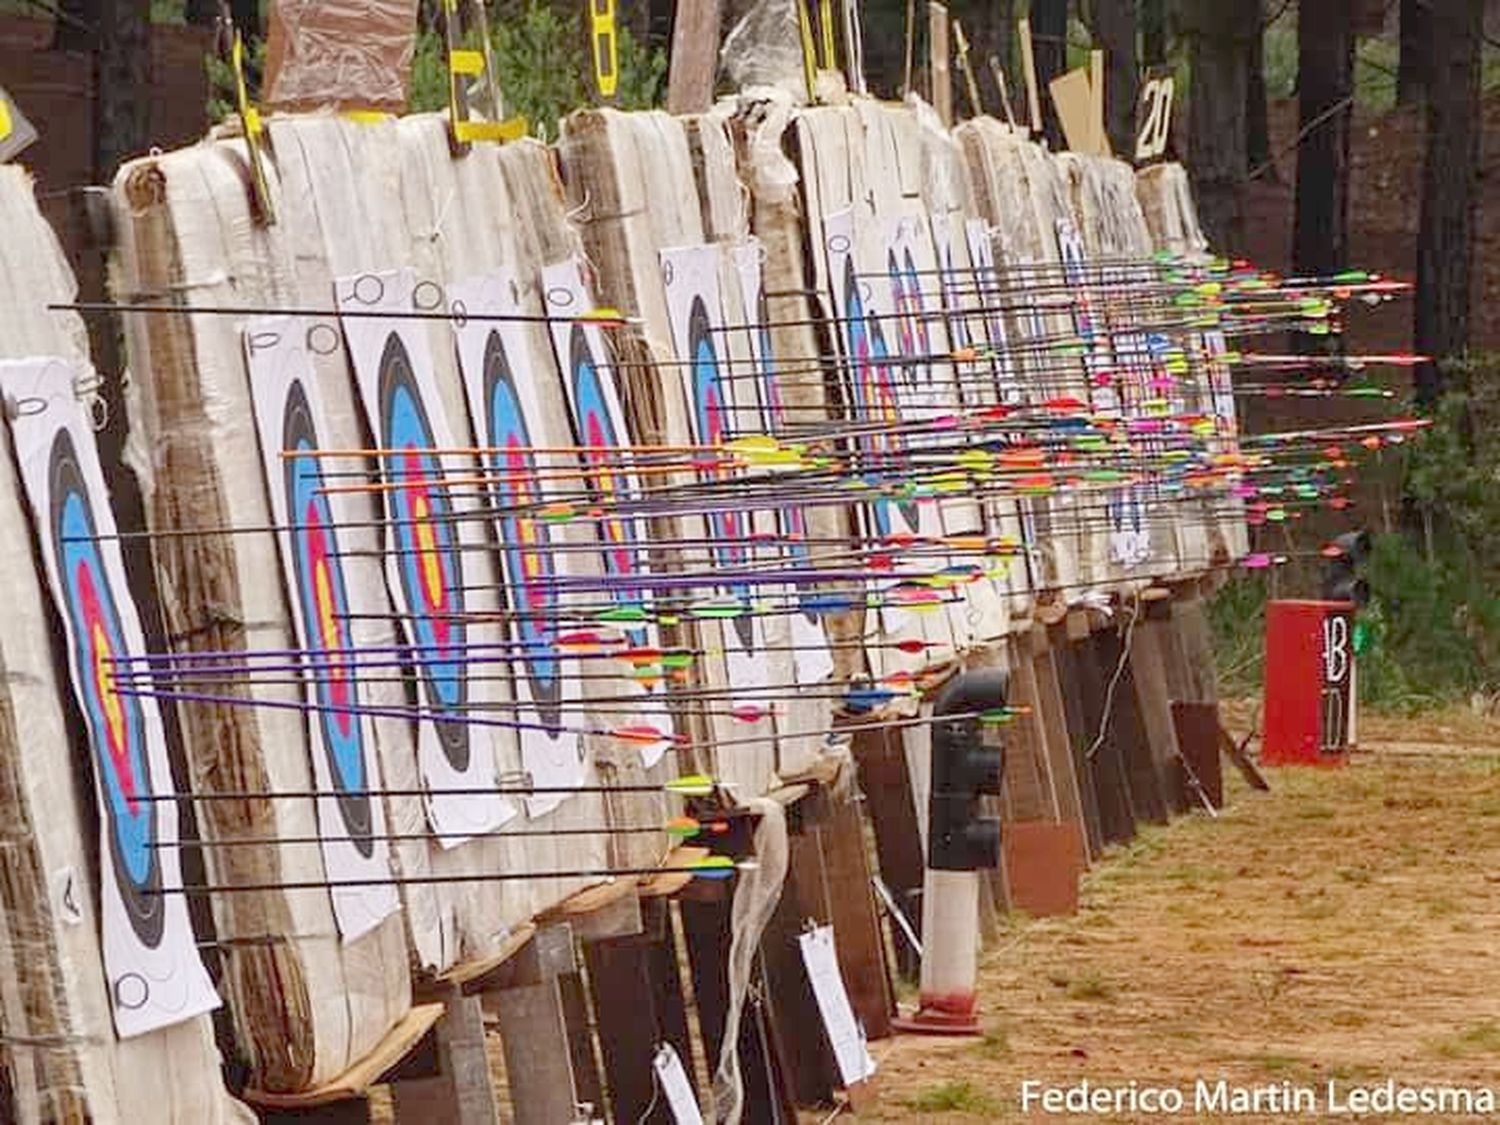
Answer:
x=1310 y=683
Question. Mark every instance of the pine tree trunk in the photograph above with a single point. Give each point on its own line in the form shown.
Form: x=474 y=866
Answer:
x=201 y=13
x=1114 y=27
x=1411 y=71
x=122 y=76
x=1450 y=182
x=246 y=17
x=1220 y=33
x=1153 y=17
x=1257 y=127
x=1049 y=38
x=1325 y=84
x=77 y=25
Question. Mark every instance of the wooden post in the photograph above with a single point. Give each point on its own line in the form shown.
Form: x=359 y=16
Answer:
x=705 y=924
x=1043 y=845
x=695 y=56
x=880 y=757
x=1066 y=785
x=1148 y=658
x=1064 y=673
x=1099 y=140
x=461 y=1090
x=856 y=923
x=1128 y=729
x=1029 y=793
x=1028 y=71
x=548 y=1076
x=939 y=51
x=1100 y=756
x=638 y=1004
x=811 y=1076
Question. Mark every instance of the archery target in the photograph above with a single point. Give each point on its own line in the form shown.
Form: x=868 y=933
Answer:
x=428 y=535
x=151 y=961
x=289 y=423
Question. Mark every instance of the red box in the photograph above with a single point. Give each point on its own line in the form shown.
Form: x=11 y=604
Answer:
x=1309 y=683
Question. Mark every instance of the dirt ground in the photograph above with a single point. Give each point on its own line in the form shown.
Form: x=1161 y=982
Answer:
x=1342 y=926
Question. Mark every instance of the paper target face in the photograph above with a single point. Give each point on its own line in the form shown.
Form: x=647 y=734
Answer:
x=431 y=532
x=711 y=409
x=318 y=584
x=324 y=602
x=524 y=540
x=598 y=435
x=426 y=547
x=508 y=407
x=598 y=428
x=812 y=659
x=876 y=394
x=153 y=973
x=116 y=724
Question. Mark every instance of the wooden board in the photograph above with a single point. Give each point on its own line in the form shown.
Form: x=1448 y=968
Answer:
x=355 y=1081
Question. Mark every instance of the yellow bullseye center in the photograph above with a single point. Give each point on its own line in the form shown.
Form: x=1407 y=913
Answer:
x=427 y=550
x=104 y=676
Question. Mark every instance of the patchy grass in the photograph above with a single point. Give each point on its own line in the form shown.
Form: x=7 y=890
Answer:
x=1478 y=1039
x=1312 y=932
x=953 y=1097
x=995 y=1043
x=1090 y=986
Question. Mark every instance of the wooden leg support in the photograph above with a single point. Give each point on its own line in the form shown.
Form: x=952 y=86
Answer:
x=549 y=1061
x=880 y=756
x=458 y=1089
x=762 y=1074
x=638 y=1004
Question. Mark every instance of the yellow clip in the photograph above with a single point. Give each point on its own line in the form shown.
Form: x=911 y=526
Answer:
x=466 y=62
x=809 y=50
x=7 y=126
x=366 y=116
x=512 y=128
x=606 y=47
x=248 y=113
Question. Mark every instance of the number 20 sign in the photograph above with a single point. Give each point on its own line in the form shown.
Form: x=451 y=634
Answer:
x=1154 y=117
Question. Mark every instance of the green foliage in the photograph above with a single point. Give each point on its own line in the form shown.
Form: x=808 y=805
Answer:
x=544 y=66
x=542 y=60
x=1237 y=615
x=221 y=85
x=1434 y=613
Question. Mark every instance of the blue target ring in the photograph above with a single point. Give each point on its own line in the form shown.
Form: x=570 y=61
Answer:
x=115 y=722
x=710 y=408
x=873 y=392
x=595 y=431
x=528 y=559
x=318 y=579
x=427 y=555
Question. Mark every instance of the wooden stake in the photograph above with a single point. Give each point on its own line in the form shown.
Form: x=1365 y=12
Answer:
x=911 y=46
x=1004 y=87
x=695 y=55
x=938 y=52
x=460 y=1091
x=970 y=85
x=1028 y=71
x=854 y=48
x=1099 y=140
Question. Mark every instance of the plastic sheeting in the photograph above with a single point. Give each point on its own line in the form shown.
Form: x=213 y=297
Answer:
x=340 y=53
